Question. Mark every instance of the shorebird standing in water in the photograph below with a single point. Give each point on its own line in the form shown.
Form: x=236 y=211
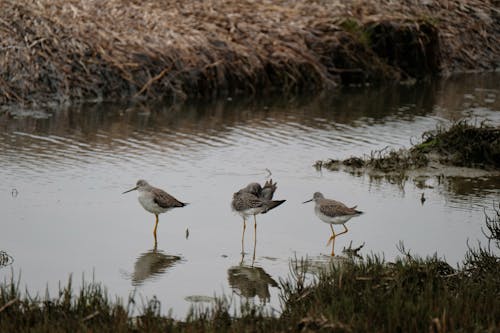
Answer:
x=252 y=200
x=155 y=200
x=333 y=212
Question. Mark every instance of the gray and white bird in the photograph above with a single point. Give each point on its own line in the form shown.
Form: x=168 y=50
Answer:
x=333 y=212
x=254 y=199
x=155 y=200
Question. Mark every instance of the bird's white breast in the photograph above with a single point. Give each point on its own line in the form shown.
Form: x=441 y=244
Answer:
x=147 y=201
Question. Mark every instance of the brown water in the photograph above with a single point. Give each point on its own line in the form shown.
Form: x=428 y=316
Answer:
x=63 y=172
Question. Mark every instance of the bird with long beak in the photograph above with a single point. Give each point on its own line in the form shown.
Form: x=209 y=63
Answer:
x=155 y=200
x=333 y=212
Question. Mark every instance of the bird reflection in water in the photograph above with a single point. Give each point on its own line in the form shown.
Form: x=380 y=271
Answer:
x=251 y=281
x=152 y=264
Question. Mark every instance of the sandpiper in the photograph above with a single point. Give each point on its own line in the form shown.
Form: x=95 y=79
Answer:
x=252 y=200
x=333 y=212
x=155 y=200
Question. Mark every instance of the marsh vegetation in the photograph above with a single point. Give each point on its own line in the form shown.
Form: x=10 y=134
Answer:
x=55 y=52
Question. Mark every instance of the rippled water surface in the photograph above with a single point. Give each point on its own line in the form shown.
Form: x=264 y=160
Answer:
x=63 y=172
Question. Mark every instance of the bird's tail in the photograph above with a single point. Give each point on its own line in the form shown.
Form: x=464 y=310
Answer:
x=272 y=204
x=357 y=211
x=268 y=190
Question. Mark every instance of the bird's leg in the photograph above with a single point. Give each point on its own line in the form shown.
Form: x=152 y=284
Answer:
x=156 y=226
x=243 y=238
x=254 y=230
x=343 y=232
x=254 y=238
x=332 y=238
x=253 y=257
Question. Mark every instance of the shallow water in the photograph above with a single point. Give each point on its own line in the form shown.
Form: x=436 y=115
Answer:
x=63 y=173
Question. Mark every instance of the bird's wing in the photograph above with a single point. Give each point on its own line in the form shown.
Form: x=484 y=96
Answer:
x=165 y=200
x=335 y=208
x=245 y=200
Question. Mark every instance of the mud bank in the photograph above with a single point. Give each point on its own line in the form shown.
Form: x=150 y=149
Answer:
x=71 y=50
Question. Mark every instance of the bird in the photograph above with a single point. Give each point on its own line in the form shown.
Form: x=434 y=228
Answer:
x=254 y=199
x=333 y=212
x=155 y=200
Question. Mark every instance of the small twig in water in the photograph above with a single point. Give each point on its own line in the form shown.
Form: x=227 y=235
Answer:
x=269 y=173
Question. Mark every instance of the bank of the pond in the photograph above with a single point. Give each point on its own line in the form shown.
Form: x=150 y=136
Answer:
x=71 y=50
x=369 y=295
x=463 y=149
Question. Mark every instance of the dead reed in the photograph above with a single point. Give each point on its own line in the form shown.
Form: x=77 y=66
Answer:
x=59 y=51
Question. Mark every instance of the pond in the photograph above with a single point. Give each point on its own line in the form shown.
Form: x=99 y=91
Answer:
x=63 y=173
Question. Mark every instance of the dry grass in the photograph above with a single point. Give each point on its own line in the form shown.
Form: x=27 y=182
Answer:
x=73 y=50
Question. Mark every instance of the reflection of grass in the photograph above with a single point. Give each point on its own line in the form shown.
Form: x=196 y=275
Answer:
x=410 y=295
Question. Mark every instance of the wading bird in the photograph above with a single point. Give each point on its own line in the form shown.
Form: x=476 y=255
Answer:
x=333 y=212
x=155 y=200
x=252 y=200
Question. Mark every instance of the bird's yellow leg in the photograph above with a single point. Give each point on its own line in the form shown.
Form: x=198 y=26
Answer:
x=332 y=238
x=253 y=257
x=254 y=238
x=254 y=230
x=156 y=226
x=343 y=232
x=243 y=238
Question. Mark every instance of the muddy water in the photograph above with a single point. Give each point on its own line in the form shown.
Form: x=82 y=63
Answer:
x=63 y=172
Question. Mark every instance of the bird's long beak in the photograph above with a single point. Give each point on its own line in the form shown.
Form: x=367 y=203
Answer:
x=307 y=201
x=132 y=189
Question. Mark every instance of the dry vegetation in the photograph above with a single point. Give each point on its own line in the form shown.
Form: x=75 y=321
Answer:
x=55 y=51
